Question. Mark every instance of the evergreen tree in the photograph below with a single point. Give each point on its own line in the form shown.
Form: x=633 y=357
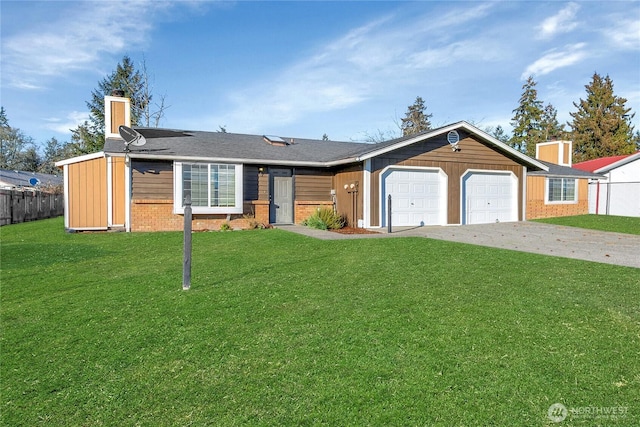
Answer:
x=4 y=121
x=498 y=133
x=549 y=126
x=89 y=136
x=84 y=140
x=526 y=121
x=416 y=120
x=16 y=149
x=601 y=126
x=53 y=152
x=29 y=160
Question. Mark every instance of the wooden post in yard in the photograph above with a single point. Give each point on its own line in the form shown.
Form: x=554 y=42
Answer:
x=389 y=215
x=186 y=266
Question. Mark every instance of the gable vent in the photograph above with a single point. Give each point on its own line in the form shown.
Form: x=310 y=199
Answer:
x=275 y=140
x=453 y=137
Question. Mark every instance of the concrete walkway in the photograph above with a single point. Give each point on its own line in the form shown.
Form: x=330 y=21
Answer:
x=546 y=239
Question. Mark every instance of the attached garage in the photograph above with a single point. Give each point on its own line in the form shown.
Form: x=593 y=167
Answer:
x=418 y=196
x=489 y=196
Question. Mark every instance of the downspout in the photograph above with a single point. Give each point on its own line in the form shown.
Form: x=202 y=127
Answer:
x=65 y=177
x=109 y=192
x=366 y=194
x=524 y=193
x=127 y=192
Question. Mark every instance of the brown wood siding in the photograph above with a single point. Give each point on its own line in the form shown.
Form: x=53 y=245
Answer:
x=117 y=115
x=88 y=194
x=549 y=153
x=344 y=199
x=437 y=153
x=118 y=193
x=535 y=188
x=312 y=184
x=567 y=154
x=537 y=208
x=152 y=180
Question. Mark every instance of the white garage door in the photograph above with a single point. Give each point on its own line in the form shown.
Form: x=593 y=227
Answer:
x=489 y=197
x=416 y=197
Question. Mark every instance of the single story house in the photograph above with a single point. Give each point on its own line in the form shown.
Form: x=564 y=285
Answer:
x=561 y=190
x=21 y=180
x=619 y=192
x=455 y=174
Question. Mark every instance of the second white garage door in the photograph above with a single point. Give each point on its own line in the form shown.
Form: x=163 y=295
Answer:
x=418 y=197
x=489 y=197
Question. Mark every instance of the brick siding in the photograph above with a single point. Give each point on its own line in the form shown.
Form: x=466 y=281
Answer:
x=157 y=215
x=304 y=209
x=537 y=209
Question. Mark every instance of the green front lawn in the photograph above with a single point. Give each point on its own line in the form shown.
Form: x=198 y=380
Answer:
x=280 y=329
x=618 y=224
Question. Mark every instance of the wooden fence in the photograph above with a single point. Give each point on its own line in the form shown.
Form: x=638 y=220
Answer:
x=20 y=206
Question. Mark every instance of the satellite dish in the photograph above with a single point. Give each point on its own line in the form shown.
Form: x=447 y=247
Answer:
x=130 y=136
x=34 y=181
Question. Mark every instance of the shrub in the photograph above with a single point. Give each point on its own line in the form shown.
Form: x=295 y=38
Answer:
x=325 y=219
x=225 y=226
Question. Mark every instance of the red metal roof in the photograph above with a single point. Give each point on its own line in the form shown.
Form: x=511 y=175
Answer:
x=595 y=164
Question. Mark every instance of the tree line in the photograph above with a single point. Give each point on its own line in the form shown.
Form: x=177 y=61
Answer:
x=19 y=151
x=601 y=125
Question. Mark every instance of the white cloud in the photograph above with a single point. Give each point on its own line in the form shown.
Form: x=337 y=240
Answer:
x=555 y=59
x=87 y=31
x=624 y=34
x=70 y=121
x=367 y=61
x=562 y=22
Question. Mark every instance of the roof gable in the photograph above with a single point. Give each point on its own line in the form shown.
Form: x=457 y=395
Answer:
x=605 y=164
x=255 y=149
x=392 y=145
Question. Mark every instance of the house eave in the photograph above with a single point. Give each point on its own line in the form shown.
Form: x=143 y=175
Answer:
x=78 y=159
x=619 y=163
x=268 y=162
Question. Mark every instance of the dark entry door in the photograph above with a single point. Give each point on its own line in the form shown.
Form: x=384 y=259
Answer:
x=281 y=209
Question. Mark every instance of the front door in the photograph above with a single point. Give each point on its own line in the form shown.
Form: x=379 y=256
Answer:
x=281 y=208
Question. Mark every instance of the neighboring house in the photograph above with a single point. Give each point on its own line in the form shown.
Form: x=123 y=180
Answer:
x=619 y=192
x=29 y=196
x=561 y=190
x=456 y=174
x=19 y=180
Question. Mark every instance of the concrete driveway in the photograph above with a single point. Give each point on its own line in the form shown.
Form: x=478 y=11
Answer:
x=546 y=239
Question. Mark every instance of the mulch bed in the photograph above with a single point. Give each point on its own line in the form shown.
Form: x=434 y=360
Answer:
x=352 y=230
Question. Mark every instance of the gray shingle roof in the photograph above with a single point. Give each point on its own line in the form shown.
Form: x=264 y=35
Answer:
x=168 y=143
x=173 y=144
x=12 y=178
x=563 y=172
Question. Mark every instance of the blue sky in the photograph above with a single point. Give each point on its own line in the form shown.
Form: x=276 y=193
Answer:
x=348 y=69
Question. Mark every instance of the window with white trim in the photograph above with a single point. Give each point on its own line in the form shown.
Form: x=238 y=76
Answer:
x=561 y=190
x=214 y=187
